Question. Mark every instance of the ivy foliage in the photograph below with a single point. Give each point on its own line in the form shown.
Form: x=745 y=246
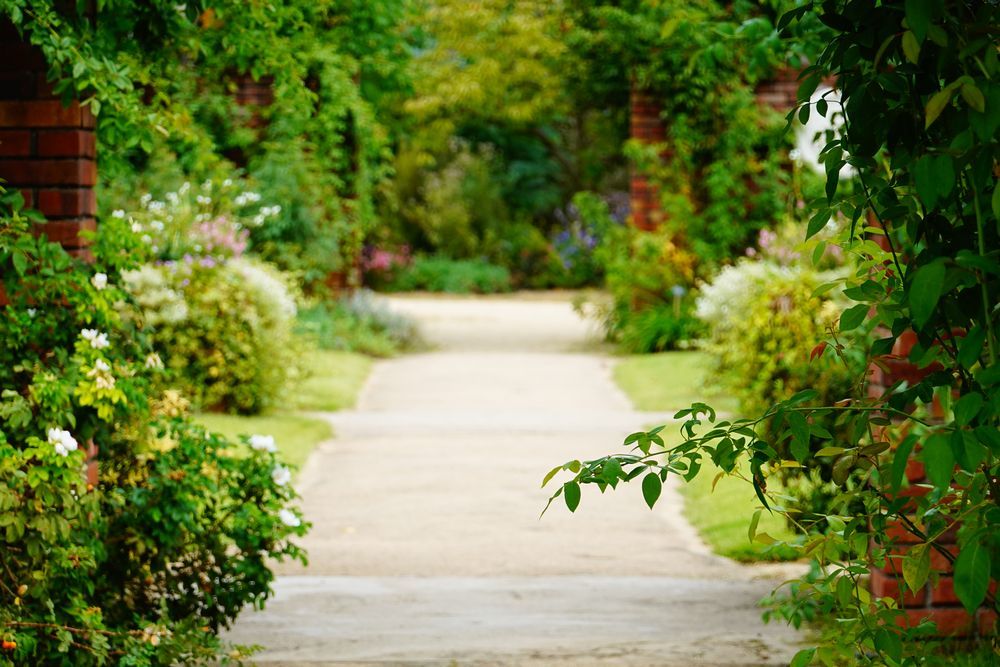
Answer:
x=921 y=106
x=162 y=77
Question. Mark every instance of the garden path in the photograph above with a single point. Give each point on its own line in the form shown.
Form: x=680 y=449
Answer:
x=427 y=547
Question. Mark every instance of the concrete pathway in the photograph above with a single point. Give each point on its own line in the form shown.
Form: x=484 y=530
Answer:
x=427 y=547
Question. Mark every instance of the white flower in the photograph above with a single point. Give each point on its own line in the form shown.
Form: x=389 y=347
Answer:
x=185 y=186
x=154 y=361
x=31 y=312
x=136 y=227
x=146 y=238
x=101 y=374
x=120 y=214
x=227 y=182
x=145 y=199
x=263 y=443
x=207 y=186
x=203 y=200
x=289 y=519
x=100 y=280
x=173 y=198
x=281 y=475
x=97 y=340
x=62 y=441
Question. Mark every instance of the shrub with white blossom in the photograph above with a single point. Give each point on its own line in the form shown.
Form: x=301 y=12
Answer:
x=127 y=534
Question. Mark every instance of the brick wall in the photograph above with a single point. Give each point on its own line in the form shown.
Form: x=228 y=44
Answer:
x=47 y=149
x=647 y=127
x=935 y=602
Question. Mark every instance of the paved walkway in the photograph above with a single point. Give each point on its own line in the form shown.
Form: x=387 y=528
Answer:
x=427 y=547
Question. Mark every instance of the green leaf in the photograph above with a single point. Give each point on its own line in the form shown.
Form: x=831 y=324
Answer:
x=842 y=468
x=899 y=460
x=800 y=436
x=971 y=347
x=611 y=471
x=803 y=658
x=754 y=522
x=974 y=97
x=967 y=407
x=934 y=177
x=989 y=437
x=936 y=105
x=918 y=18
x=972 y=575
x=651 y=488
x=911 y=47
x=571 y=493
x=820 y=220
x=995 y=202
x=20 y=262
x=889 y=642
x=831 y=451
x=925 y=290
x=939 y=460
x=917 y=567
x=552 y=473
x=852 y=318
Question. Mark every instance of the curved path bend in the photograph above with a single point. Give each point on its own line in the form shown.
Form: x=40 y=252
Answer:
x=427 y=547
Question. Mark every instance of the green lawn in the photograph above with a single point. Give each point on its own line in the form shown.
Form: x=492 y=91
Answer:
x=334 y=382
x=673 y=380
x=669 y=381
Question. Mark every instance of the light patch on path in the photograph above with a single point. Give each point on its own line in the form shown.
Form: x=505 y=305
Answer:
x=427 y=547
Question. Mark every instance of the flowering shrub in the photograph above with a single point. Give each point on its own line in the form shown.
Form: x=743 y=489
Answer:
x=225 y=330
x=221 y=321
x=764 y=319
x=212 y=221
x=128 y=534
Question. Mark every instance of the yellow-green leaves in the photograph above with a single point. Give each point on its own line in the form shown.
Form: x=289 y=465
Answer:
x=973 y=97
x=917 y=566
x=911 y=49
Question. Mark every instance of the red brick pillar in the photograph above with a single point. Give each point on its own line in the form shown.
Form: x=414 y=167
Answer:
x=646 y=126
x=47 y=150
x=937 y=603
x=780 y=92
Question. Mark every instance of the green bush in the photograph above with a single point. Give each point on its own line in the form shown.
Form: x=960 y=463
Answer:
x=440 y=274
x=358 y=323
x=765 y=321
x=649 y=278
x=223 y=329
x=145 y=564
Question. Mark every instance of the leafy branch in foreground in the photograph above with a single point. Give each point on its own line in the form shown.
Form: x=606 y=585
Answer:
x=912 y=177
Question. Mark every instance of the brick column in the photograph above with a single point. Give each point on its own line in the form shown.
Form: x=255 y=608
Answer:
x=937 y=603
x=47 y=150
x=645 y=127
x=780 y=92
